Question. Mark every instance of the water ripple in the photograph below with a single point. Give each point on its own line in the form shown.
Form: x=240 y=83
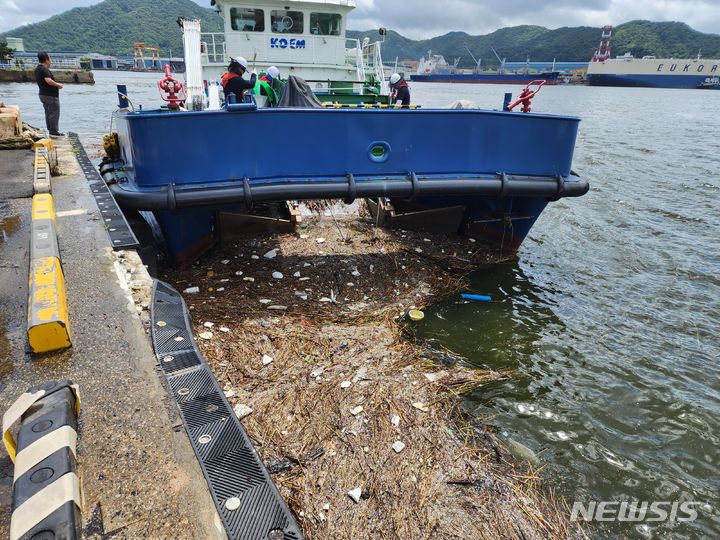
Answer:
x=611 y=316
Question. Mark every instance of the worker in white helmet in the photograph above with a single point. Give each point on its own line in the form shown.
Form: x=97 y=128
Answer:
x=265 y=87
x=233 y=82
x=273 y=72
x=399 y=90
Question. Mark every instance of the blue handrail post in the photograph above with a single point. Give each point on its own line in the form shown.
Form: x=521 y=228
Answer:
x=123 y=102
x=506 y=101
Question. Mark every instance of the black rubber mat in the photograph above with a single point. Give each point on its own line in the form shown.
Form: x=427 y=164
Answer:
x=120 y=233
x=230 y=463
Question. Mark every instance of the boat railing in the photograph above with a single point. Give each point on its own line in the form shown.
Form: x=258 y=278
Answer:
x=367 y=59
x=373 y=62
x=335 y=87
x=354 y=56
x=213 y=48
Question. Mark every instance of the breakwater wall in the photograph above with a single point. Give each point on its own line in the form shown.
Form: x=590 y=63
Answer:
x=64 y=76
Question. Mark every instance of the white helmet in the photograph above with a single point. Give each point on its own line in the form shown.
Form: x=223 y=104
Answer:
x=240 y=60
x=273 y=72
x=395 y=78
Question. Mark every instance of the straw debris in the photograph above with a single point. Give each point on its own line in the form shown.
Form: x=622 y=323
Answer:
x=388 y=455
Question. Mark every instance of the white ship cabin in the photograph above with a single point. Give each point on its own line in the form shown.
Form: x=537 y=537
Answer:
x=435 y=63
x=627 y=57
x=300 y=37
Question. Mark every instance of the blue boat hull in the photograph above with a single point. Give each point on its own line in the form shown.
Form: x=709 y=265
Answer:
x=187 y=166
x=489 y=78
x=647 y=81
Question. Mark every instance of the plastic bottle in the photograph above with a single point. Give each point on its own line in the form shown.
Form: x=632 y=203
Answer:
x=214 y=96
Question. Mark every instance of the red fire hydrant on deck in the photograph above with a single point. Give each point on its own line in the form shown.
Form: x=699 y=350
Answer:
x=526 y=96
x=171 y=90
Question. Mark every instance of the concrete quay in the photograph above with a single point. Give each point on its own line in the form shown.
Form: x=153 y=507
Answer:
x=139 y=476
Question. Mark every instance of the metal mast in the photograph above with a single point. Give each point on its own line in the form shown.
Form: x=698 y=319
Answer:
x=604 y=50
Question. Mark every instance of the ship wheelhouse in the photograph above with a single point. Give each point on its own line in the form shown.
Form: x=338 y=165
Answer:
x=300 y=37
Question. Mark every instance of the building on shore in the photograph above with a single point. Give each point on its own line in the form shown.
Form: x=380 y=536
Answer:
x=92 y=61
x=99 y=61
x=28 y=59
x=15 y=44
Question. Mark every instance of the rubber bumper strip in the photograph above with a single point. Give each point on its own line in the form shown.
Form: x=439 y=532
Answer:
x=244 y=494
x=402 y=187
x=120 y=233
x=46 y=488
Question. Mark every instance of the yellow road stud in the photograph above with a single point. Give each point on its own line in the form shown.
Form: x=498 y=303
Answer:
x=48 y=322
x=43 y=207
x=44 y=143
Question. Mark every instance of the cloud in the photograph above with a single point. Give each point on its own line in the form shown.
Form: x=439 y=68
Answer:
x=8 y=8
x=14 y=13
x=427 y=18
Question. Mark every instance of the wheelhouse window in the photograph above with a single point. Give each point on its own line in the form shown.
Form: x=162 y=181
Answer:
x=287 y=22
x=247 y=19
x=325 y=24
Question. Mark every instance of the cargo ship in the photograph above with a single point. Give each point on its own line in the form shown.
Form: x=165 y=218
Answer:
x=436 y=69
x=649 y=71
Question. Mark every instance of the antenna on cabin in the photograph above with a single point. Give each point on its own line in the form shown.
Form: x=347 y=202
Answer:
x=604 y=50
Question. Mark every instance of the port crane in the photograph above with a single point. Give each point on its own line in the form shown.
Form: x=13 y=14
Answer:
x=140 y=49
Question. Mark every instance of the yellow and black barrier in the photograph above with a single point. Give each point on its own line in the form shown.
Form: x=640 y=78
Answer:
x=45 y=164
x=48 y=321
x=335 y=105
x=46 y=487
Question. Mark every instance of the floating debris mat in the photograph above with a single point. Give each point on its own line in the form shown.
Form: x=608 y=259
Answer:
x=120 y=233
x=245 y=496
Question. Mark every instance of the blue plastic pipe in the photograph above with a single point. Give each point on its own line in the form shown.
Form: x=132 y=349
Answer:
x=476 y=297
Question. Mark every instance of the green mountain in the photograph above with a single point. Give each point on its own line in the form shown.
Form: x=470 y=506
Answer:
x=577 y=44
x=112 y=26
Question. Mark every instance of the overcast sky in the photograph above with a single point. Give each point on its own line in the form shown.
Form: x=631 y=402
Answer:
x=427 y=18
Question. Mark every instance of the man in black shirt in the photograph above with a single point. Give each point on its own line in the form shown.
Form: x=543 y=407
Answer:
x=49 y=93
x=233 y=82
x=399 y=90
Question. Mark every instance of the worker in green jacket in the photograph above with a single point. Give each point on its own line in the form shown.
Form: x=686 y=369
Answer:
x=263 y=86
